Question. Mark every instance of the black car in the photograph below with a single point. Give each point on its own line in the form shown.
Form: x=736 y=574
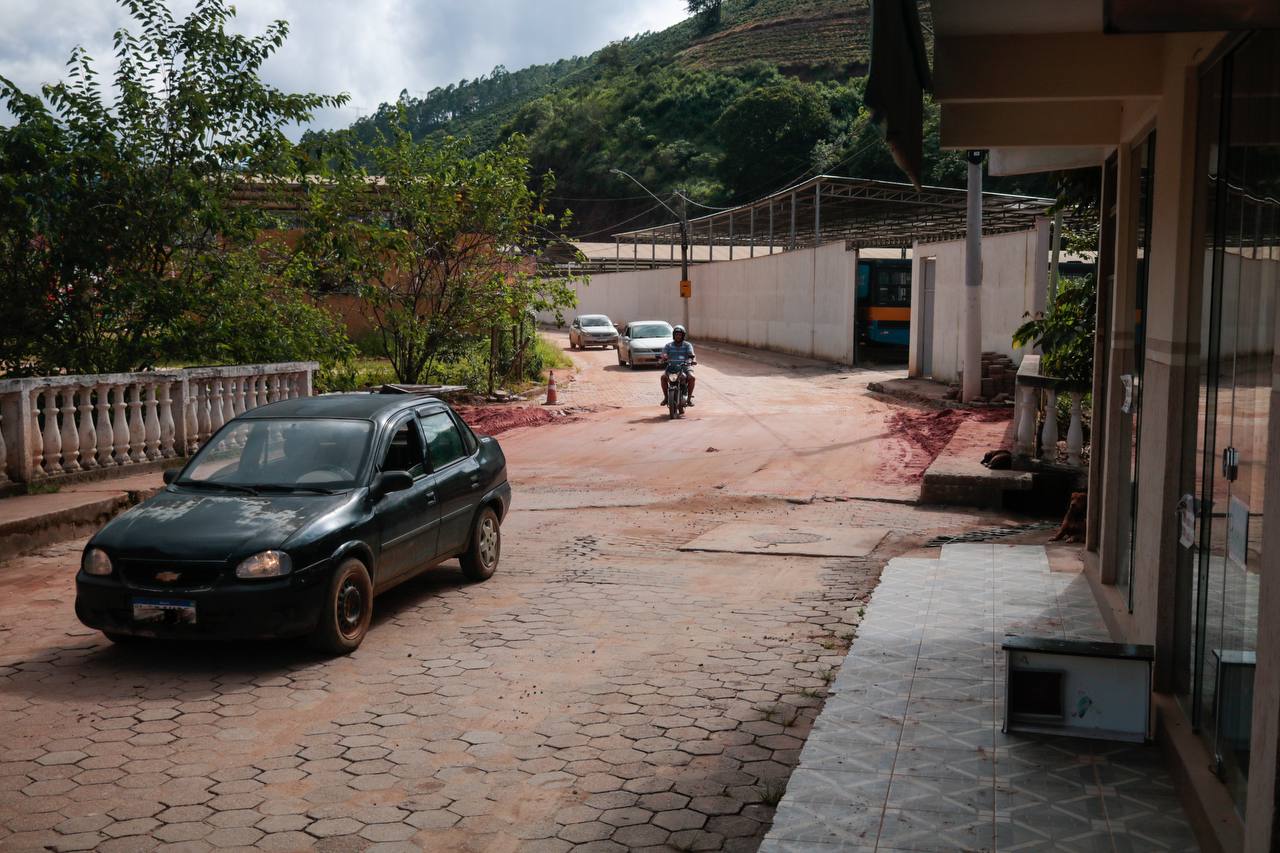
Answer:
x=293 y=517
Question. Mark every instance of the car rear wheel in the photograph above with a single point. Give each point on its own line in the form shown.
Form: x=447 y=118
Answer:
x=348 y=610
x=481 y=559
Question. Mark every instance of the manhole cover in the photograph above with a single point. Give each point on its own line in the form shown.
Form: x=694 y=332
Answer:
x=786 y=537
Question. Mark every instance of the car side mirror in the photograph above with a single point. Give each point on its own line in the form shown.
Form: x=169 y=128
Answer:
x=170 y=474
x=390 y=481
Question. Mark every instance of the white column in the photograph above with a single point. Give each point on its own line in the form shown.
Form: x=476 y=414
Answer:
x=228 y=399
x=106 y=437
x=200 y=397
x=216 y=416
x=137 y=431
x=971 y=385
x=167 y=428
x=70 y=437
x=1049 y=432
x=52 y=434
x=260 y=382
x=120 y=426
x=151 y=423
x=241 y=391
x=88 y=435
x=1075 y=432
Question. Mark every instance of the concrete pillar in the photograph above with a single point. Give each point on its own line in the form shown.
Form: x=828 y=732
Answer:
x=971 y=386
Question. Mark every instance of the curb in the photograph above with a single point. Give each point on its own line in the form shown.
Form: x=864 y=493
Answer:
x=29 y=534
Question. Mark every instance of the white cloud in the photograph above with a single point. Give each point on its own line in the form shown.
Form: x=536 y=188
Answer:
x=369 y=49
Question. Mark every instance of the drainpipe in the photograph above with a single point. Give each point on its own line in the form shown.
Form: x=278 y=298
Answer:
x=971 y=384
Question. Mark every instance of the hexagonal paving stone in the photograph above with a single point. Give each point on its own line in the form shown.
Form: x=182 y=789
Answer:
x=680 y=819
x=628 y=816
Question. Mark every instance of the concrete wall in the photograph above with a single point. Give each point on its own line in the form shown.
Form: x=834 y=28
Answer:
x=1012 y=288
x=798 y=302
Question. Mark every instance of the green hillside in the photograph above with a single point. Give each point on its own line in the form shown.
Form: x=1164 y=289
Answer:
x=729 y=110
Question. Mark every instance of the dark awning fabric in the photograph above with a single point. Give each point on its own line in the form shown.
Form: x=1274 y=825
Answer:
x=897 y=81
x=1171 y=16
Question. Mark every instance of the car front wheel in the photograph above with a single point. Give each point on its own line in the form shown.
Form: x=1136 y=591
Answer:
x=481 y=559
x=348 y=610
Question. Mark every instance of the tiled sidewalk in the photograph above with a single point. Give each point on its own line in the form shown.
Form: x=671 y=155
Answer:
x=908 y=752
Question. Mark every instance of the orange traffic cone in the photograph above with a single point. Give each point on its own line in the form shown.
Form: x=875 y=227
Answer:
x=551 y=389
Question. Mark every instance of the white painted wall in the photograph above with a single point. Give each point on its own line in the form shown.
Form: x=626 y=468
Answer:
x=1011 y=278
x=798 y=302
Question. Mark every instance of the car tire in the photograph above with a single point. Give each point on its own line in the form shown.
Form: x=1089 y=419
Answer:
x=481 y=558
x=347 y=611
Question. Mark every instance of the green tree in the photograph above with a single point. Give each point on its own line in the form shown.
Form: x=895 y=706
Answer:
x=121 y=240
x=442 y=245
x=707 y=12
x=768 y=135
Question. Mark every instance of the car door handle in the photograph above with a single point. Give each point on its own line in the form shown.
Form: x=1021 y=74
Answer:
x=431 y=498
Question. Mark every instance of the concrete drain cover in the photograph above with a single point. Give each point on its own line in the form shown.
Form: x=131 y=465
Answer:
x=789 y=537
x=747 y=538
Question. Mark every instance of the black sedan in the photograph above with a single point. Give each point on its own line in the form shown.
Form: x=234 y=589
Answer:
x=293 y=517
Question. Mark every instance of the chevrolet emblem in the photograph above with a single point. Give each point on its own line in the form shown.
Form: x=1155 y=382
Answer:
x=167 y=577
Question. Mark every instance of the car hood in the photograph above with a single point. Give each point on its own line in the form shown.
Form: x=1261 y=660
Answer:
x=599 y=330
x=650 y=343
x=196 y=526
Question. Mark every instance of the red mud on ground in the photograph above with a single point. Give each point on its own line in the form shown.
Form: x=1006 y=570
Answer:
x=495 y=420
x=922 y=435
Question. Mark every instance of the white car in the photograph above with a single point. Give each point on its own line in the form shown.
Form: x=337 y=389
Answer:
x=642 y=342
x=592 y=330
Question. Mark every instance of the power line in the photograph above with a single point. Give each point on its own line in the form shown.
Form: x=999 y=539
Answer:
x=618 y=225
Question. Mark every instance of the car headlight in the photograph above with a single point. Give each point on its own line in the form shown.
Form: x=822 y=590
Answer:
x=267 y=564
x=96 y=562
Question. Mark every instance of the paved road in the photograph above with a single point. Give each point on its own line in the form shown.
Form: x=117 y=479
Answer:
x=604 y=691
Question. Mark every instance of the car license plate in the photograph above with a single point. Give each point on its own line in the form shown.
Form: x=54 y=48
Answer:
x=164 y=611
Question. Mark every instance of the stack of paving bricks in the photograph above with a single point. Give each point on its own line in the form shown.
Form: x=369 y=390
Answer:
x=999 y=374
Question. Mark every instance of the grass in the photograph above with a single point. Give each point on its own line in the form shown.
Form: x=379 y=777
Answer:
x=771 y=792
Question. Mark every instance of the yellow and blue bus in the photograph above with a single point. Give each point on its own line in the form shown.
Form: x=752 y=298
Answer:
x=884 y=301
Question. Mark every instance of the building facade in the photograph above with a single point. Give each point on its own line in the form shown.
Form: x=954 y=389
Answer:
x=1178 y=105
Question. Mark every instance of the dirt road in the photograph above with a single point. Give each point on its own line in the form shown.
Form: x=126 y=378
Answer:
x=604 y=691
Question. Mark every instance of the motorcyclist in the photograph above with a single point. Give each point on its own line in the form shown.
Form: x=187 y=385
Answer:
x=678 y=353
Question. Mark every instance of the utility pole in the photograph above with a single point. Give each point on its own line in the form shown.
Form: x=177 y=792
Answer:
x=971 y=380
x=684 y=258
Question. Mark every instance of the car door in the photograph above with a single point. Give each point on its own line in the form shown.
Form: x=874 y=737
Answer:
x=458 y=479
x=408 y=521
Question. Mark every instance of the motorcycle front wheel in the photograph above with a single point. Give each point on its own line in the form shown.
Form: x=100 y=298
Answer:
x=673 y=400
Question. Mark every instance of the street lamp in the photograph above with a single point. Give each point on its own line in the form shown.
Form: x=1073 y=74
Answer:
x=683 y=218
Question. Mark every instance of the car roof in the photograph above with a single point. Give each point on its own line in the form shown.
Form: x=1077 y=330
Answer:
x=373 y=407
x=585 y=316
x=643 y=322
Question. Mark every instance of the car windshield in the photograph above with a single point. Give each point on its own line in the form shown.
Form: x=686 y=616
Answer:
x=280 y=453
x=597 y=321
x=651 y=330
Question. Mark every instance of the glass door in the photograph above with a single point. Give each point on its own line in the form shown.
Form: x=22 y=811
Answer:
x=1144 y=158
x=1238 y=333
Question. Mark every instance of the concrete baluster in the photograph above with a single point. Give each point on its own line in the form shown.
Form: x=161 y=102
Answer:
x=203 y=411
x=263 y=397
x=119 y=425
x=70 y=437
x=106 y=437
x=242 y=392
x=1075 y=432
x=167 y=427
x=151 y=422
x=52 y=435
x=88 y=435
x=1026 y=436
x=216 y=416
x=1049 y=432
x=228 y=399
x=137 y=429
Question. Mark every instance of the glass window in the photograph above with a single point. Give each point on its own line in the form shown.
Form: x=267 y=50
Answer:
x=596 y=320
x=894 y=287
x=405 y=451
x=264 y=452
x=651 y=330
x=444 y=442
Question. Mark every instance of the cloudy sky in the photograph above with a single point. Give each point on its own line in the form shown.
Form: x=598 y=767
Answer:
x=370 y=49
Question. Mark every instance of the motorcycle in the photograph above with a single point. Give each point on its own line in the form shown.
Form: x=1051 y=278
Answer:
x=677 y=388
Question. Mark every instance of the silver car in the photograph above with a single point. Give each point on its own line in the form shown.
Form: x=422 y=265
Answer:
x=592 y=330
x=642 y=342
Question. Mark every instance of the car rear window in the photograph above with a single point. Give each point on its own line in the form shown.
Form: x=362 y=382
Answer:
x=444 y=442
x=651 y=330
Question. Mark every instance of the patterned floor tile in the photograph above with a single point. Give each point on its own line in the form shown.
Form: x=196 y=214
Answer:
x=933 y=830
x=830 y=823
x=856 y=790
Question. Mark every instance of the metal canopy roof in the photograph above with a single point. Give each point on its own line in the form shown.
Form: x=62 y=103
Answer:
x=863 y=212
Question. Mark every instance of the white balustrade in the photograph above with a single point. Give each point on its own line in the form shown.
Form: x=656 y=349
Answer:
x=59 y=425
x=1036 y=399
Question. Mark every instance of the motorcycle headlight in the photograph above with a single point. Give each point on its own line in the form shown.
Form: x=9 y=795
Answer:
x=96 y=562
x=267 y=564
